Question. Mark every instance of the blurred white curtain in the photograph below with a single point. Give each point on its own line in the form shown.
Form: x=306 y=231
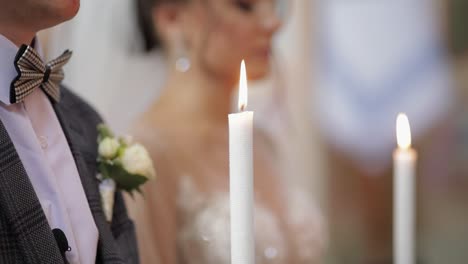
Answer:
x=302 y=146
x=108 y=68
x=376 y=59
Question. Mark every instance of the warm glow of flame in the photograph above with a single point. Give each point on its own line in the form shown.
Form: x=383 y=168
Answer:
x=242 y=88
x=403 y=131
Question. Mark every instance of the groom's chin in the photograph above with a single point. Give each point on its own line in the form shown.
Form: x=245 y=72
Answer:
x=69 y=8
x=62 y=10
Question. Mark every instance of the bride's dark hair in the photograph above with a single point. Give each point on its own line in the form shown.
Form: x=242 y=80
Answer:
x=144 y=9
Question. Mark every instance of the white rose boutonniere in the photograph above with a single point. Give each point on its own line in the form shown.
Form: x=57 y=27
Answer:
x=136 y=160
x=108 y=147
x=122 y=164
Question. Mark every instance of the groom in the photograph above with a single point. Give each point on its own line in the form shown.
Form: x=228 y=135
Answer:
x=50 y=207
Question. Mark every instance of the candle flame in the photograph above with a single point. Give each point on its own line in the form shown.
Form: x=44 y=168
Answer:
x=403 y=131
x=242 y=88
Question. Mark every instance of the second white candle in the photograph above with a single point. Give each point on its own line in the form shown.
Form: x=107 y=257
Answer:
x=404 y=159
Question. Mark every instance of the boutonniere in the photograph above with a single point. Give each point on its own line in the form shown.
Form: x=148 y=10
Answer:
x=122 y=165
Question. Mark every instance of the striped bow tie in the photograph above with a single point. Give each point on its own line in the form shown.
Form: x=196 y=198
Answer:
x=33 y=73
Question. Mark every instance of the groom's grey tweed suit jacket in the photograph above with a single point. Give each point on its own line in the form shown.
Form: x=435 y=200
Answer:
x=25 y=235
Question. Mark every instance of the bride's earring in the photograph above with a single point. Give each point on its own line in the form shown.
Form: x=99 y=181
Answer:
x=182 y=63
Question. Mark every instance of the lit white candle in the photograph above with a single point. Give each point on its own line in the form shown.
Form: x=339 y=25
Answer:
x=404 y=159
x=241 y=179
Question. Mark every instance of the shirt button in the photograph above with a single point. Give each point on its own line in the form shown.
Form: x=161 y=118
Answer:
x=43 y=142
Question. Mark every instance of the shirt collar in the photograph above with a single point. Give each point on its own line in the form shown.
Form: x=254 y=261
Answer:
x=8 y=72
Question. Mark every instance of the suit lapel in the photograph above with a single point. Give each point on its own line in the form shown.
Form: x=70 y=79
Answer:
x=22 y=208
x=70 y=122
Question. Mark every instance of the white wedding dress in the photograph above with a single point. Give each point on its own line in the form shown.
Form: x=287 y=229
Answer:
x=184 y=217
x=203 y=237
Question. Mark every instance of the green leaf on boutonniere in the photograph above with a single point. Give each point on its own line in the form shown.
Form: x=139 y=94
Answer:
x=124 y=180
x=104 y=132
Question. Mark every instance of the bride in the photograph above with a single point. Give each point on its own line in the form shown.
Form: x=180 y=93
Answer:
x=184 y=215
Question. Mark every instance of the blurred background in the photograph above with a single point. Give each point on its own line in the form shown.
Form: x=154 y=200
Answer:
x=346 y=69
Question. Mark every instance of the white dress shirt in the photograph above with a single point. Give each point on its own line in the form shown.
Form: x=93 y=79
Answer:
x=44 y=151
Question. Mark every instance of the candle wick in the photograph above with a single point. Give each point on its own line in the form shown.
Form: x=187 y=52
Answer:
x=242 y=108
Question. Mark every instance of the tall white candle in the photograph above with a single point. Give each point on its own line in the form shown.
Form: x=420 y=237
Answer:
x=241 y=179
x=404 y=159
